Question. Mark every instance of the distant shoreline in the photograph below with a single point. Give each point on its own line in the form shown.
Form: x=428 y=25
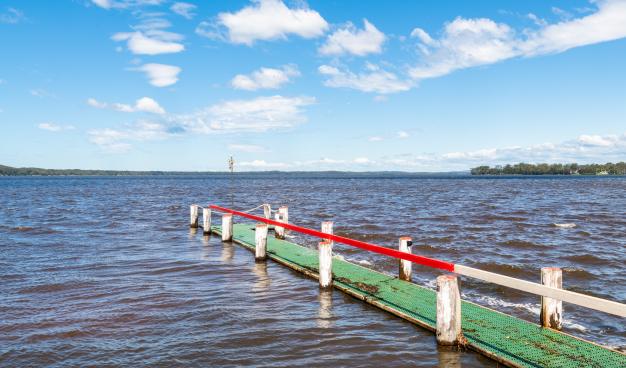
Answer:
x=33 y=171
x=8 y=171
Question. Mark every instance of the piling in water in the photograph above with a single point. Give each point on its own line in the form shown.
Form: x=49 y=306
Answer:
x=405 y=245
x=193 y=216
x=327 y=228
x=227 y=227
x=448 y=310
x=260 y=237
x=279 y=231
x=267 y=211
x=325 y=264
x=551 y=309
x=206 y=220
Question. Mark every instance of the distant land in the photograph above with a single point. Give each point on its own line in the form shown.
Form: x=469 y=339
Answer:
x=552 y=169
x=35 y=171
x=522 y=169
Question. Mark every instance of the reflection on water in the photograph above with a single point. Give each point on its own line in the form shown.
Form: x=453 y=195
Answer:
x=263 y=280
x=206 y=239
x=325 y=312
x=86 y=278
x=192 y=232
x=449 y=357
x=228 y=251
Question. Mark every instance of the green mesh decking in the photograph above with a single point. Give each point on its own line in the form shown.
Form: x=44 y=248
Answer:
x=507 y=339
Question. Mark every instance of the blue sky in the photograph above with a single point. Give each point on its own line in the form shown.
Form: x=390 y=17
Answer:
x=317 y=85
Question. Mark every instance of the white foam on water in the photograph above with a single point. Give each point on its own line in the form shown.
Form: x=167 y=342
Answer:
x=495 y=302
x=339 y=256
x=365 y=262
x=574 y=325
x=567 y=225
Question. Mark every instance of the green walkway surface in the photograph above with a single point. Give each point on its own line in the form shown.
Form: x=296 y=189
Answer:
x=507 y=339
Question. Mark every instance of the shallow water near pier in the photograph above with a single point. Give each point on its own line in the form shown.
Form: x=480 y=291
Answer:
x=104 y=271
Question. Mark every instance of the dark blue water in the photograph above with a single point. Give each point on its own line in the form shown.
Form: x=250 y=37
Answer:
x=105 y=271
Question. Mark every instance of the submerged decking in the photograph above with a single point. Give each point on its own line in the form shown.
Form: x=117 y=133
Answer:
x=504 y=338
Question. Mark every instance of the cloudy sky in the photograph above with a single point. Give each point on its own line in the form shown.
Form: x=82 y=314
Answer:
x=317 y=85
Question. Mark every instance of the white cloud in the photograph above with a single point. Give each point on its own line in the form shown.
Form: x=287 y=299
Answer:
x=423 y=36
x=249 y=148
x=584 y=149
x=237 y=116
x=375 y=139
x=210 y=30
x=95 y=103
x=262 y=164
x=12 y=16
x=151 y=43
x=184 y=9
x=467 y=43
x=255 y=115
x=124 y=4
x=40 y=92
x=119 y=140
x=362 y=160
x=161 y=75
x=270 y=20
x=607 y=24
x=54 y=127
x=403 y=135
x=144 y=104
x=373 y=79
x=351 y=40
x=147 y=104
x=598 y=140
x=265 y=78
x=104 y=4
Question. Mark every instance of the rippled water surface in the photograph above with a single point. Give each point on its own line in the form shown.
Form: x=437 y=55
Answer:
x=106 y=272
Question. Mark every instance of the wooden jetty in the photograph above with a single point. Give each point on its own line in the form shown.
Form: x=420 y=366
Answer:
x=506 y=339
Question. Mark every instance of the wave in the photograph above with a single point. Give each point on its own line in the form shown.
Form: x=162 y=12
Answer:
x=566 y=225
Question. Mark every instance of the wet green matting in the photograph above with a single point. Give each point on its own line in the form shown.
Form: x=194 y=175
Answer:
x=510 y=340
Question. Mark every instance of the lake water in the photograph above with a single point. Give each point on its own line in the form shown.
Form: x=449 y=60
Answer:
x=105 y=271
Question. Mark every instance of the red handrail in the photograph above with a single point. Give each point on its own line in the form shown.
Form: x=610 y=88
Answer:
x=425 y=261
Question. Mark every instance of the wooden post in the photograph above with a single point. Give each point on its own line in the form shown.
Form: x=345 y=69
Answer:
x=448 y=310
x=284 y=214
x=325 y=264
x=193 y=216
x=404 y=272
x=267 y=211
x=327 y=228
x=260 y=237
x=206 y=220
x=279 y=231
x=551 y=309
x=227 y=227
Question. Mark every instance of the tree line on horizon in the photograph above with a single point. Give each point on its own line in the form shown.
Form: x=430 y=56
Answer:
x=552 y=169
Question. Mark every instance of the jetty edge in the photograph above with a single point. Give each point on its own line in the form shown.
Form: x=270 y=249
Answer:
x=503 y=338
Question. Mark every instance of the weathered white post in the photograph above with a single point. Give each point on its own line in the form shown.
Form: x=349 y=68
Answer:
x=327 y=228
x=448 y=310
x=227 y=227
x=206 y=220
x=325 y=264
x=260 y=240
x=193 y=216
x=284 y=214
x=267 y=211
x=405 y=245
x=279 y=231
x=551 y=309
